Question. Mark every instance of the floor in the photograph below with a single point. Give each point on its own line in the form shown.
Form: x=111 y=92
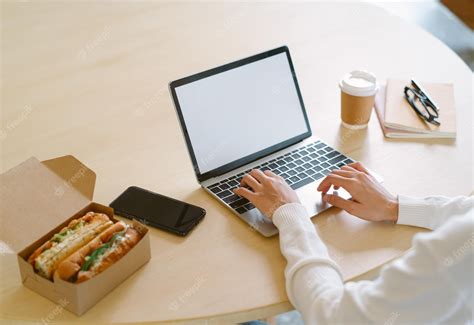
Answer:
x=435 y=18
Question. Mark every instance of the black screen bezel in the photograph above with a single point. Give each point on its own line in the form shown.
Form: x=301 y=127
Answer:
x=252 y=157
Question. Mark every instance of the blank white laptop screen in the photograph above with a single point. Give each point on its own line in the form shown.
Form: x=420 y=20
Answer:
x=241 y=111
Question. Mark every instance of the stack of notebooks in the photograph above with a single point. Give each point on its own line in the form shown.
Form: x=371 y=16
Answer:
x=399 y=120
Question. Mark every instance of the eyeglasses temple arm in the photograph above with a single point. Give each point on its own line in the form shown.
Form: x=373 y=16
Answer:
x=428 y=98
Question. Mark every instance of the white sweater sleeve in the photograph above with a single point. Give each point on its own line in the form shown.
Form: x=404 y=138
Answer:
x=433 y=211
x=428 y=284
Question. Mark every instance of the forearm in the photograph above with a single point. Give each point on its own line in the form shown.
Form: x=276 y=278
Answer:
x=313 y=280
x=299 y=241
x=431 y=212
x=311 y=275
x=406 y=289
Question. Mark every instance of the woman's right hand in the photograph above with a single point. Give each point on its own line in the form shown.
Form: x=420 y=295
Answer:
x=370 y=200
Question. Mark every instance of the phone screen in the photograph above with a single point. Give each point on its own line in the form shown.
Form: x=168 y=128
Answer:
x=158 y=210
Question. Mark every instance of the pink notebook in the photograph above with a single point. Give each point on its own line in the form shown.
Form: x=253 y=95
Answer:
x=402 y=133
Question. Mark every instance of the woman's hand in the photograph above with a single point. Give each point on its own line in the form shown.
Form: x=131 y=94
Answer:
x=370 y=200
x=269 y=191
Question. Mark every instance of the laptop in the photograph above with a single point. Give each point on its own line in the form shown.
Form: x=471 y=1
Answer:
x=250 y=114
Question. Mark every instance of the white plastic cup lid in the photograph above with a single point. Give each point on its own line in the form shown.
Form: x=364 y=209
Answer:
x=359 y=83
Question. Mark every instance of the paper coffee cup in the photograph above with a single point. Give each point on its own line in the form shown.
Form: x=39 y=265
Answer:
x=358 y=90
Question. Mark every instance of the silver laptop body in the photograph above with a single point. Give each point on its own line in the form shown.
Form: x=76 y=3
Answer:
x=250 y=114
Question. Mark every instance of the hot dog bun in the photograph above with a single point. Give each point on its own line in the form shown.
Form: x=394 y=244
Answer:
x=101 y=252
x=79 y=231
x=121 y=247
x=68 y=268
x=47 y=245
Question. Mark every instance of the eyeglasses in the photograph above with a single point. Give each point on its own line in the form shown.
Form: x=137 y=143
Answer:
x=421 y=103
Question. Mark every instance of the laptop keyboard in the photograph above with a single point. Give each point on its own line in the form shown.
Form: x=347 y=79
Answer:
x=298 y=167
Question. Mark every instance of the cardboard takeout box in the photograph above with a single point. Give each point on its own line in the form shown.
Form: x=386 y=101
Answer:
x=37 y=200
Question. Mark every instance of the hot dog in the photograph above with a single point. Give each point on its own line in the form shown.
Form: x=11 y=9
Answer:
x=79 y=232
x=97 y=255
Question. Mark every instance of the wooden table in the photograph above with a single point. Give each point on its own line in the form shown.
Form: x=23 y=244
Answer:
x=90 y=79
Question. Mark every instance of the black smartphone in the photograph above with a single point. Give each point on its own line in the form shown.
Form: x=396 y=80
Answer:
x=158 y=210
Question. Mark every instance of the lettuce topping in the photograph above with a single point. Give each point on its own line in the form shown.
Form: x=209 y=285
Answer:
x=57 y=238
x=97 y=253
